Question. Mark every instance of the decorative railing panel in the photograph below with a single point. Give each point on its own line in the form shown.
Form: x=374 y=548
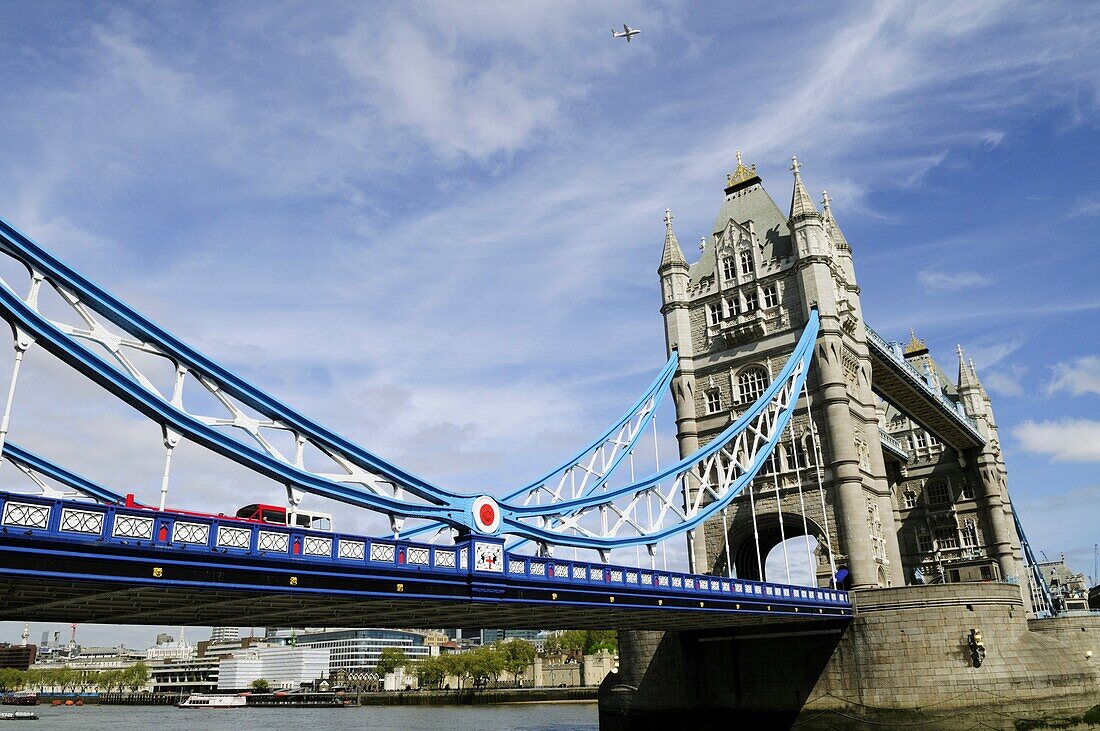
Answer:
x=194 y=533
x=26 y=515
x=229 y=537
x=315 y=546
x=132 y=526
x=88 y=522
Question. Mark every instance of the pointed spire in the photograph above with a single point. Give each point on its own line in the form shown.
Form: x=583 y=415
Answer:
x=673 y=255
x=742 y=176
x=915 y=346
x=835 y=234
x=802 y=205
x=967 y=377
x=974 y=373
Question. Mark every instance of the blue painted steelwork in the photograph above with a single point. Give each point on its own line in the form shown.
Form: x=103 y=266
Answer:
x=38 y=259
x=656 y=392
x=70 y=530
x=1036 y=577
x=891 y=353
x=440 y=504
x=35 y=463
x=793 y=376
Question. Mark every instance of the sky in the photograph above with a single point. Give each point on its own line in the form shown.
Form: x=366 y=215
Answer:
x=435 y=227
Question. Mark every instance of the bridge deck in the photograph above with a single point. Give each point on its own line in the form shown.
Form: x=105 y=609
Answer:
x=74 y=561
x=900 y=383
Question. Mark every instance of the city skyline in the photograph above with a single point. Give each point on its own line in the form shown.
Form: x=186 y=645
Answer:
x=417 y=262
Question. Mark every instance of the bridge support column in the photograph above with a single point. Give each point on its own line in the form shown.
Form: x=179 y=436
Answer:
x=1003 y=532
x=903 y=661
x=716 y=679
x=851 y=497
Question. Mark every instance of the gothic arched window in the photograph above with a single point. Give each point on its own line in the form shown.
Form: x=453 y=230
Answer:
x=727 y=267
x=746 y=262
x=970 y=534
x=751 y=383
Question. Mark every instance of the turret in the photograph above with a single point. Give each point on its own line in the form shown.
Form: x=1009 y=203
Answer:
x=674 y=294
x=673 y=269
x=985 y=400
x=970 y=392
x=842 y=250
x=805 y=220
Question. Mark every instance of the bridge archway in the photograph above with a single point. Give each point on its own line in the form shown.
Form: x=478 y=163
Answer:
x=748 y=555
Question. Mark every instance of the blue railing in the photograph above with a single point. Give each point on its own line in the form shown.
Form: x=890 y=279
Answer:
x=893 y=444
x=99 y=525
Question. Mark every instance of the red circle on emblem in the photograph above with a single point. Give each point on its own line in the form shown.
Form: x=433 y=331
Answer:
x=487 y=514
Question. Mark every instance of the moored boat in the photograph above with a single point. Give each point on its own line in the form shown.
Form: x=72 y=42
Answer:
x=19 y=698
x=18 y=716
x=203 y=700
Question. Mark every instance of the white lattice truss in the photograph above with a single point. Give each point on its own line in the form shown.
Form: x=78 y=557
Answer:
x=669 y=500
x=574 y=505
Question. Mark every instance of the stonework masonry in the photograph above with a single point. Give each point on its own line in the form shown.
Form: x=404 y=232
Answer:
x=904 y=503
x=904 y=656
x=915 y=506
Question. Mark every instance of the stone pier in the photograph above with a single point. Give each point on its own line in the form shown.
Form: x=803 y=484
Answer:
x=903 y=657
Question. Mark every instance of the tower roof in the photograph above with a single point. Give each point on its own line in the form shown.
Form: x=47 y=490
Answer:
x=831 y=227
x=967 y=377
x=802 y=206
x=672 y=255
x=915 y=346
x=741 y=177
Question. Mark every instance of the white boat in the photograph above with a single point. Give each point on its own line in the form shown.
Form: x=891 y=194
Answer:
x=202 y=700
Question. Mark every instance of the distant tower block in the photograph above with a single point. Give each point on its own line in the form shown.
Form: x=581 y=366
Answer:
x=902 y=499
x=224 y=634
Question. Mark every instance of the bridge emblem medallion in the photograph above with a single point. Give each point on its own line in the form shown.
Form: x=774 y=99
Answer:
x=486 y=514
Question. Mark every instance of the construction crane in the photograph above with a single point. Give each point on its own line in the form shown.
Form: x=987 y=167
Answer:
x=1095 y=578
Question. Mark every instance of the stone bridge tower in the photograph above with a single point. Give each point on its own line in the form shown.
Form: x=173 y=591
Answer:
x=734 y=317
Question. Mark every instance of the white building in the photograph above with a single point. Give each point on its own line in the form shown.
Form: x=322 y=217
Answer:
x=356 y=650
x=169 y=650
x=281 y=667
x=219 y=635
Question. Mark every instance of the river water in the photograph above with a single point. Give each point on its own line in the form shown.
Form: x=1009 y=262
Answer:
x=510 y=717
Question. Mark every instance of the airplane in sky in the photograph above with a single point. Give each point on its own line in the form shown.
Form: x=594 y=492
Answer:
x=627 y=33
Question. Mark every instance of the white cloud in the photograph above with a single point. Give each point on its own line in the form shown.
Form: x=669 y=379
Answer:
x=989 y=351
x=1066 y=440
x=457 y=106
x=950 y=280
x=1077 y=378
x=1085 y=207
x=1005 y=381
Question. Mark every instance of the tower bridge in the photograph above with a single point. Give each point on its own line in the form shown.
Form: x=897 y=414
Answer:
x=80 y=550
x=830 y=483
